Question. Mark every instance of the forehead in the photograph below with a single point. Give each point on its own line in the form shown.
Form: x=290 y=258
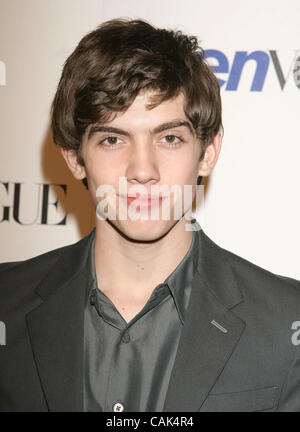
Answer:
x=139 y=111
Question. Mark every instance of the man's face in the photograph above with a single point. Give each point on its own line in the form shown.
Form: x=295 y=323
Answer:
x=151 y=147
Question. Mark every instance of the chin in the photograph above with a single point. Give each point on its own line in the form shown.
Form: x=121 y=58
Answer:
x=143 y=230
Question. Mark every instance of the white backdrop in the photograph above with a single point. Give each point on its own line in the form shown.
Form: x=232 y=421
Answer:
x=252 y=204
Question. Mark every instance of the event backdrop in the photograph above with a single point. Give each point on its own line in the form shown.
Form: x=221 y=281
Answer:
x=251 y=204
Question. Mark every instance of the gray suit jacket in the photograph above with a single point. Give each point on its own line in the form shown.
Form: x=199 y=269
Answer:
x=235 y=352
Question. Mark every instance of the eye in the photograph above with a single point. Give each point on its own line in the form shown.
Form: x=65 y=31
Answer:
x=172 y=140
x=110 y=141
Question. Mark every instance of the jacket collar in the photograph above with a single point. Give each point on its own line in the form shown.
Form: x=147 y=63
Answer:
x=72 y=260
x=217 y=273
x=56 y=329
x=211 y=331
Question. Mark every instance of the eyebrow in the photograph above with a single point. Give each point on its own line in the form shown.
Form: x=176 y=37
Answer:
x=164 y=126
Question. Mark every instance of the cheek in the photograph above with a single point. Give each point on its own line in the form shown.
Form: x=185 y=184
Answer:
x=183 y=169
x=102 y=169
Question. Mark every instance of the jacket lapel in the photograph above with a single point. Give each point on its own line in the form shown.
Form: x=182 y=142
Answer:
x=56 y=329
x=204 y=347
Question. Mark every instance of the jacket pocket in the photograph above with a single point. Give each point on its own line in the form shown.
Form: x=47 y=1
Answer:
x=243 y=401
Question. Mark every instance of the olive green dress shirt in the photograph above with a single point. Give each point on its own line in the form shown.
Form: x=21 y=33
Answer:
x=127 y=366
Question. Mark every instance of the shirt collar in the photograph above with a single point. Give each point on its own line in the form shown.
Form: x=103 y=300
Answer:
x=179 y=281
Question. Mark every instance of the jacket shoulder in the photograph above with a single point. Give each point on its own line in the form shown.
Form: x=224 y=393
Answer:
x=253 y=270
x=248 y=272
x=26 y=274
x=41 y=261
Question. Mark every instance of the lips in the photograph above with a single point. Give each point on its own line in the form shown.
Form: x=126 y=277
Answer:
x=143 y=201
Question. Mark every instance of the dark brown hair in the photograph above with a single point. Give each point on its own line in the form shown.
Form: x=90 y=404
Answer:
x=122 y=57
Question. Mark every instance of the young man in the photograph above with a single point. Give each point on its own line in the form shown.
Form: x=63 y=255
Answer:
x=145 y=313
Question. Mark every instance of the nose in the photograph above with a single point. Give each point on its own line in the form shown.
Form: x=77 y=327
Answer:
x=142 y=164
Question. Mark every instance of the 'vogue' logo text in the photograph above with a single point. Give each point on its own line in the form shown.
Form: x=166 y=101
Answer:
x=14 y=199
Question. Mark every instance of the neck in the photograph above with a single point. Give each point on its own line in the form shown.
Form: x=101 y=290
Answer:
x=132 y=270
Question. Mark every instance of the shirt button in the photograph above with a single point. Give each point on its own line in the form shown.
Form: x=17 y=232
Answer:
x=118 y=407
x=93 y=299
x=126 y=337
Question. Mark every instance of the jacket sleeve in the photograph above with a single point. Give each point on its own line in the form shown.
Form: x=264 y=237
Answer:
x=289 y=399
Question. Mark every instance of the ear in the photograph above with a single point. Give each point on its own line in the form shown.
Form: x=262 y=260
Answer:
x=210 y=157
x=73 y=163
